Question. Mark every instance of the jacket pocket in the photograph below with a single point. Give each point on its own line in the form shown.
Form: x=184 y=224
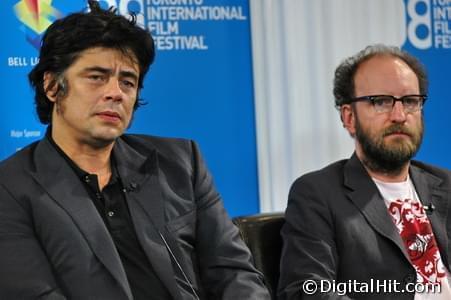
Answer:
x=182 y=221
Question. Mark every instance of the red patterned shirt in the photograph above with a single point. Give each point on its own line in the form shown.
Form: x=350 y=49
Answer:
x=416 y=232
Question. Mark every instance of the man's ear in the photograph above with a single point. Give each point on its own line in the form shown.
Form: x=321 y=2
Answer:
x=348 y=117
x=50 y=86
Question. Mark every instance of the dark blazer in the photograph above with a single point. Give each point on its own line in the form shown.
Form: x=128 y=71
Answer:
x=54 y=244
x=338 y=228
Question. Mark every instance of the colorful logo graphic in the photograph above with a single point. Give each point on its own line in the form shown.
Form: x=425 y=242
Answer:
x=36 y=16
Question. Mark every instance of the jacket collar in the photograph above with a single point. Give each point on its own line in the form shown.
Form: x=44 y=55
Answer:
x=363 y=192
x=141 y=178
x=64 y=187
x=139 y=175
x=430 y=191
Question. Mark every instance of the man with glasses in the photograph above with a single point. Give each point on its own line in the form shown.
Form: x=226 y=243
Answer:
x=374 y=226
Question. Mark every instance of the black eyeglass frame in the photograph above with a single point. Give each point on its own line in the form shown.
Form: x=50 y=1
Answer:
x=402 y=99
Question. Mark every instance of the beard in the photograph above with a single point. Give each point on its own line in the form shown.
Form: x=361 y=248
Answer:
x=388 y=157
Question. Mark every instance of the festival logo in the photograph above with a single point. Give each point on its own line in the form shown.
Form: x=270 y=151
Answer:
x=174 y=23
x=428 y=24
x=35 y=16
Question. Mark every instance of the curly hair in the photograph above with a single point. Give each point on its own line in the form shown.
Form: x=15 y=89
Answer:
x=345 y=72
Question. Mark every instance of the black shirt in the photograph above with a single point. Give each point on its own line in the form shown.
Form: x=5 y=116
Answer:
x=111 y=203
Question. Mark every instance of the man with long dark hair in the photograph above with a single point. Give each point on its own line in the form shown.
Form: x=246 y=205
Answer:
x=89 y=212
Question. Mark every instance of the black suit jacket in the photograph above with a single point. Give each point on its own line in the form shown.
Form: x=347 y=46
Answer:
x=338 y=228
x=54 y=244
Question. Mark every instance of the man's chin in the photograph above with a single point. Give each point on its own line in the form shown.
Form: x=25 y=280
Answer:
x=402 y=145
x=390 y=158
x=103 y=139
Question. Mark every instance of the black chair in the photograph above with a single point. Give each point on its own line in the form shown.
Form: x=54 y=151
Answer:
x=261 y=233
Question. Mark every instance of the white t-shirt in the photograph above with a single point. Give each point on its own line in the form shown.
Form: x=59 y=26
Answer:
x=404 y=206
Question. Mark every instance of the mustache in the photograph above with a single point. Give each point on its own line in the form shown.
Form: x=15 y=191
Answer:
x=398 y=128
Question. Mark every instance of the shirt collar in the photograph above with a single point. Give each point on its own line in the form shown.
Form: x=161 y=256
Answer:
x=79 y=171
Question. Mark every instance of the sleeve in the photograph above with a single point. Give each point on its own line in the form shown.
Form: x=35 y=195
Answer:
x=25 y=272
x=226 y=268
x=309 y=258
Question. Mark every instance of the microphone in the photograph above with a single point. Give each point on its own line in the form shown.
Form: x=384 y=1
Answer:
x=131 y=187
x=178 y=265
x=429 y=209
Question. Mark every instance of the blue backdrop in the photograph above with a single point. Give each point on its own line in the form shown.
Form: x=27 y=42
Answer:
x=200 y=86
x=429 y=38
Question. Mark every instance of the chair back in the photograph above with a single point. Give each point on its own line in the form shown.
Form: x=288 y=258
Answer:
x=261 y=233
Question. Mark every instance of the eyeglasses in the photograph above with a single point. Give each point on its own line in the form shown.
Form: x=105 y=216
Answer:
x=385 y=103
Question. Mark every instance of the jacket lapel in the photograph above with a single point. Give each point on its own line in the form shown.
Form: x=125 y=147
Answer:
x=140 y=177
x=65 y=188
x=365 y=195
x=429 y=192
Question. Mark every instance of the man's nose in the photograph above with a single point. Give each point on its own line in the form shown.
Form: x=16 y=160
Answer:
x=113 y=90
x=398 y=114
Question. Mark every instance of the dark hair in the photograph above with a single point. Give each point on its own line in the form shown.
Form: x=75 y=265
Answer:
x=66 y=38
x=345 y=72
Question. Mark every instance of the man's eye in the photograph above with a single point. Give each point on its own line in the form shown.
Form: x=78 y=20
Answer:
x=128 y=83
x=95 y=77
x=411 y=100
x=383 y=101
